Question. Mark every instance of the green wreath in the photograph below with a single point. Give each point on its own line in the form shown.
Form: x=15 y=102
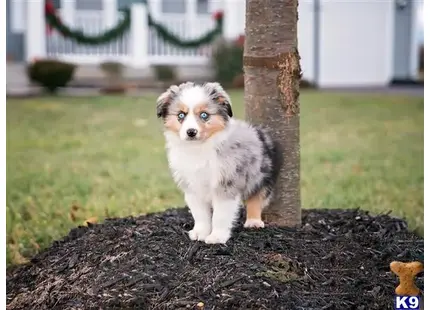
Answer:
x=54 y=22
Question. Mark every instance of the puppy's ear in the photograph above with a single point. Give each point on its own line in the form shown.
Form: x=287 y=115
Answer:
x=219 y=96
x=165 y=99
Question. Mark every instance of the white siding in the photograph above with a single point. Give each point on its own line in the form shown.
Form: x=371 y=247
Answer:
x=356 y=43
x=305 y=29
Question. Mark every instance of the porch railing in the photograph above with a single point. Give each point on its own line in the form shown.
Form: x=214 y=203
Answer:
x=155 y=50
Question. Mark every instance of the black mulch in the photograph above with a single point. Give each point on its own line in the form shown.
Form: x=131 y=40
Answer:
x=337 y=260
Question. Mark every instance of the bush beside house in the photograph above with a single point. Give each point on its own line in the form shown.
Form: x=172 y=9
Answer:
x=50 y=74
x=227 y=62
x=165 y=75
x=114 y=74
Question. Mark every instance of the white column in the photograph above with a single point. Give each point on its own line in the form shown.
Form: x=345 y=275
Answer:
x=139 y=36
x=215 y=5
x=234 y=18
x=110 y=9
x=191 y=16
x=35 y=35
x=156 y=10
x=415 y=40
x=155 y=7
x=68 y=8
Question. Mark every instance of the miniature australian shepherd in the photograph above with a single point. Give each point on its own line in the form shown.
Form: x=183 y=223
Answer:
x=218 y=161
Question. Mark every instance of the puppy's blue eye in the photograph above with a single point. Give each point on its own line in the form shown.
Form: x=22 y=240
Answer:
x=204 y=116
x=181 y=116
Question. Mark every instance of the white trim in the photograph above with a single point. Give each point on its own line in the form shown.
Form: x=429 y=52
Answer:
x=35 y=35
x=138 y=42
x=91 y=59
x=191 y=15
x=127 y=60
x=155 y=7
x=234 y=19
x=180 y=61
x=415 y=43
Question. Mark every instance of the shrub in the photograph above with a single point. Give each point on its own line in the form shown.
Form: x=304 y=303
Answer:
x=227 y=60
x=305 y=84
x=51 y=74
x=164 y=73
x=113 y=70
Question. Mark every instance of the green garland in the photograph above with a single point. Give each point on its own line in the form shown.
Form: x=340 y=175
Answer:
x=123 y=26
x=173 y=39
x=80 y=37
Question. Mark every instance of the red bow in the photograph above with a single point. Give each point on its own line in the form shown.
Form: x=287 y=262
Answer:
x=218 y=15
x=240 y=41
x=49 y=10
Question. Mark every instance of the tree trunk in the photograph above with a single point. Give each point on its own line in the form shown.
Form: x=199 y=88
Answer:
x=272 y=76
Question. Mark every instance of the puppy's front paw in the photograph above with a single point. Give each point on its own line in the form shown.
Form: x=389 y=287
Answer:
x=254 y=223
x=199 y=232
x=218 y=237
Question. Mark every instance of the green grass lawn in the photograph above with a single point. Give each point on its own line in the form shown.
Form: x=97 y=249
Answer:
x=73 y=159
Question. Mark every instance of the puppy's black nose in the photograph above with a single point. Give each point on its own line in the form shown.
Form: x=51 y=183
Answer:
x=191 y=132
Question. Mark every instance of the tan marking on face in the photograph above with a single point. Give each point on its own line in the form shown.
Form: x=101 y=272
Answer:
x=182 y=107
x=203 y=107
x=221 y=100
x=216 y=123
x=254 y=207
x=171 y=123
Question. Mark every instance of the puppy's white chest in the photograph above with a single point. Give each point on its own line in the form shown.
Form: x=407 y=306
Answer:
x=193 y=169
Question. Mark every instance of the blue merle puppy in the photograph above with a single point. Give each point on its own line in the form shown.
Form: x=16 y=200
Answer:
x=216 y=160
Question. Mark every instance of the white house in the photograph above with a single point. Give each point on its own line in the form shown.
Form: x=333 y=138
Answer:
x=341 y=42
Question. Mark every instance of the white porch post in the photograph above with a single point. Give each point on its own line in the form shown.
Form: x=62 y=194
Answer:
x=110 y=9
x=35 y=34
x=191 y=16
x=234 y=18
x=139 y=36
x=68 y=8
x=215 y=5
x=415 y=44
x=155 y=7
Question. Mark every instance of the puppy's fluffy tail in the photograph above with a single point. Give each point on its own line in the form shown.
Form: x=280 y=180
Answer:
x=273 y=150
x=277 y=159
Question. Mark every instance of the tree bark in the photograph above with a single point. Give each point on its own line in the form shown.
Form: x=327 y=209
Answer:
x=272 y=76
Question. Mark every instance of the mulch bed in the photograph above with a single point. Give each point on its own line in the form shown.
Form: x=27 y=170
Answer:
x=338 y=259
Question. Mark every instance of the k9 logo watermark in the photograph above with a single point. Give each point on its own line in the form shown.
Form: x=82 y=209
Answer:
x=406 y=302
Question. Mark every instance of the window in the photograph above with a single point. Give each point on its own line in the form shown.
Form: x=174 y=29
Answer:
x=202 y=6
x=17 y=10
x=173 y=6
x=57 y=4
x=93 y=5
